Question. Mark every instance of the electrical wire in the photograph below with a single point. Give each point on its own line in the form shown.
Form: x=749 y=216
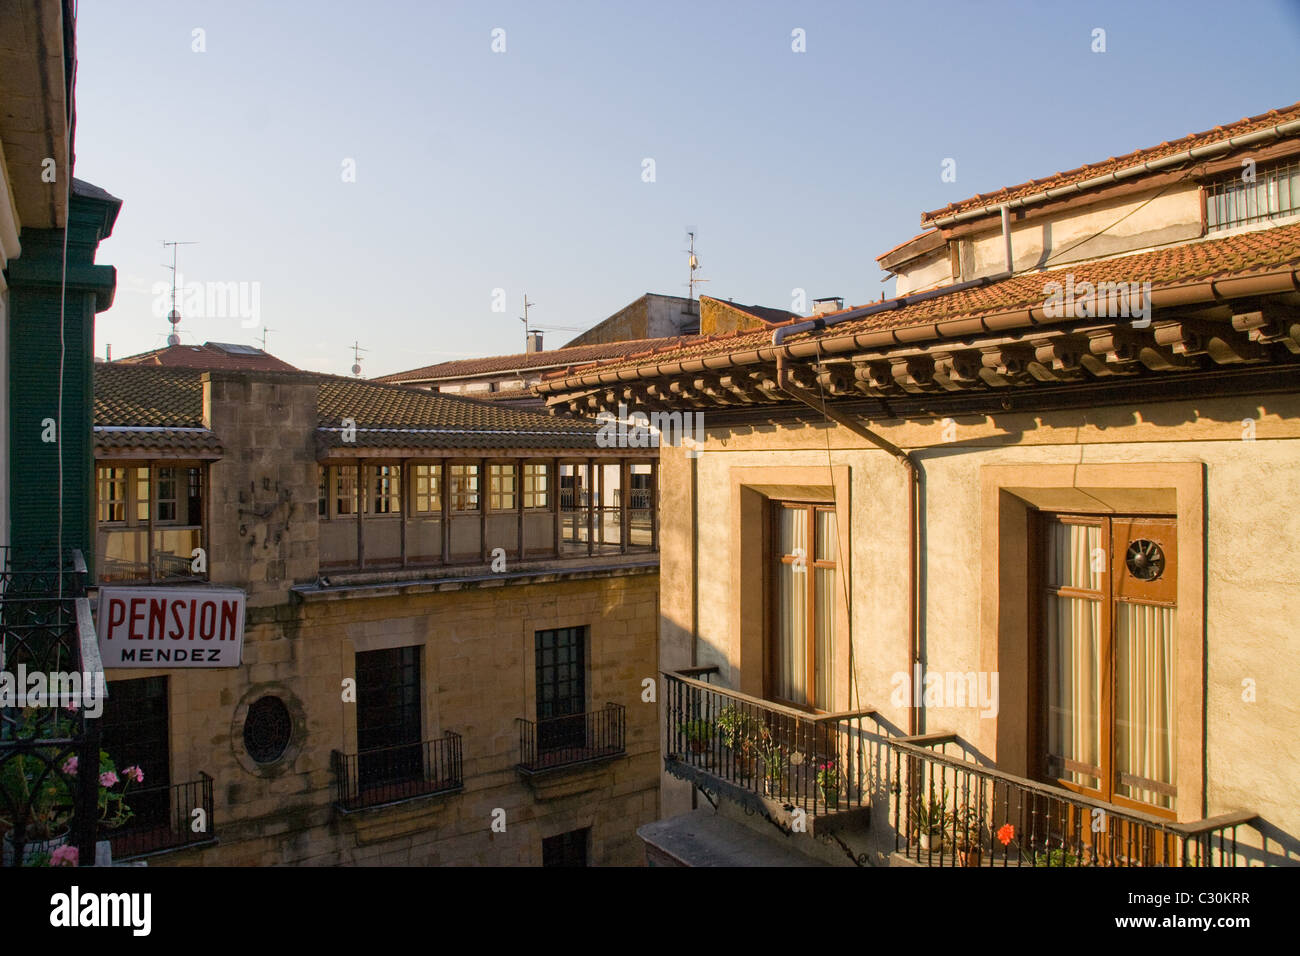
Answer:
x=63 y=298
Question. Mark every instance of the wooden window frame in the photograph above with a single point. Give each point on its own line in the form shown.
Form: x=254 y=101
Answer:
x=498 y=474
x=1107 y=596
x=772 y=559
x=536 y=499
x=428 y=501
x=467 y=500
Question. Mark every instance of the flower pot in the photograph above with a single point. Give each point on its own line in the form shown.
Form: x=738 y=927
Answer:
x=33 y=849
x=698 y=746
x=832 y=798
x=969 y=856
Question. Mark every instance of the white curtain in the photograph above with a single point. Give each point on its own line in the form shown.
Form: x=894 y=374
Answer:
x=1074 y=650
x=1144 y=698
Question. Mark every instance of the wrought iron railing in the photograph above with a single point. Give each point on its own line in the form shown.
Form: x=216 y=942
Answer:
x=46 y=628
x=947 y=811
x=384 y=775
x=164 y=818
x=575 y=738
x=815 y=762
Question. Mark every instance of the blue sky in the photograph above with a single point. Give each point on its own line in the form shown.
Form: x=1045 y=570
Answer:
x=523 y=170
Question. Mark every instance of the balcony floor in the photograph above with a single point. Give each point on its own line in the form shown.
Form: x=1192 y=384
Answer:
x=705 y=838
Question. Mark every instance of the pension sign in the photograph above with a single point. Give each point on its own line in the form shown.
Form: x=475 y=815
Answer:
x=170 y=627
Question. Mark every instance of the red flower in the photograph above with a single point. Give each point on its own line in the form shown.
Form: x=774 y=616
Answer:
x=1006 y=833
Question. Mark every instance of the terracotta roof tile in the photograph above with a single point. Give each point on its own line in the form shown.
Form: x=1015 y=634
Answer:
x=1209 y=258
x=574 y=355
x=1169 y=148
x=209 y=355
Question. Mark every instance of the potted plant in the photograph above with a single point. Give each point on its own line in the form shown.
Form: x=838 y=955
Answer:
x=738 y=731
x=968 y=831
x=773 y=756
x=828 y=782
x=47 y=789
x=698 y=734
x=930 y=819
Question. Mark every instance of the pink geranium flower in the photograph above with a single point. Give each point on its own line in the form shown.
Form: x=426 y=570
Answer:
x=64 y=856
x=108 y=779
x=134 y=773
x=70 y=766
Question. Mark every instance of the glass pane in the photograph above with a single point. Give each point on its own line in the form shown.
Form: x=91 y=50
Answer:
x=792 y=530
x=792 y=636
x=1074 y=677
x=1144 y=701
x=1075 y=557
x=825 y=636
x=825 y=536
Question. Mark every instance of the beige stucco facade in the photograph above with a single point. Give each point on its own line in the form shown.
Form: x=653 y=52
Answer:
x=1227 y=469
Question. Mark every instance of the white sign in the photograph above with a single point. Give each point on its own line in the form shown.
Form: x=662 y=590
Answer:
x=170 y=627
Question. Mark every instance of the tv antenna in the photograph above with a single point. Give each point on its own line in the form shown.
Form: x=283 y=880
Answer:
x=524 y=318
x=174 y=317
x=356 y=358
x=264 y=331
x=693 y=280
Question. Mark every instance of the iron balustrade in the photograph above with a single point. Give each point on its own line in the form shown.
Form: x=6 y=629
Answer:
x=46 y=627
x=163 y=819
x=386 y=775
x=575 y=738
x=815 y=762
x=947 y=811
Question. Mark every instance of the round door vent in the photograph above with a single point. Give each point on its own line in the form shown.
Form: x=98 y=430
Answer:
x=267 y=730
x=1145 y=560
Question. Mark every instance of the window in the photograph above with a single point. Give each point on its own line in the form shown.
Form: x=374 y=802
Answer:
x=536 y=486
x=501 y=487
x=428 y=488
x=385 y=489
x=323 y=492
x=268 y=728
x=566 y=849
x=1274 y=193
x=464 y=487
x=345 y=490
x=561 y=688
x=388 y=716
x=136 y=734
x=1107 y=650
x=112 y=494
x=801 y=639
x=132 y=499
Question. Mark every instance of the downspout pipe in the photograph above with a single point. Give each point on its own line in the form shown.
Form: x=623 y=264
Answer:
x=913 y=524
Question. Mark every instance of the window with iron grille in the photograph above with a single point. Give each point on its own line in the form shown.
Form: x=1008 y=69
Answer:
x=136 y=733
x=561 y=687
x=388 y=716
x=1273 y=193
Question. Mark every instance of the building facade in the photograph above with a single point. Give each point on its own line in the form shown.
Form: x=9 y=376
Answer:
x=999 y=572
x=450 y=613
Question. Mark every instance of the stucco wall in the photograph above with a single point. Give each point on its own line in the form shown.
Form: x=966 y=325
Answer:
x=1251 y=548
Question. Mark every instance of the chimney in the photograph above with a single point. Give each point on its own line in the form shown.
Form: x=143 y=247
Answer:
x=823 y=306
x=534 y=342
x=108 y=353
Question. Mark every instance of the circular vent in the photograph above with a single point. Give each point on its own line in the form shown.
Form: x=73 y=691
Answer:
x=267 y=729
x=1145 y=560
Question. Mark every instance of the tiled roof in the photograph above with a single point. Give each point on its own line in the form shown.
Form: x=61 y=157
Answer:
x=1211 y=258
x=760 y=312
x=574 y=355
x=150 y=407
x=1248 y=125
x=210 y=355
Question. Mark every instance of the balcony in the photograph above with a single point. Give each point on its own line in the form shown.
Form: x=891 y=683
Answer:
x=46 y=628
x=947 y=811
x=771 y=759
x=389 y=775
x=164 y=819
x=557 y=742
